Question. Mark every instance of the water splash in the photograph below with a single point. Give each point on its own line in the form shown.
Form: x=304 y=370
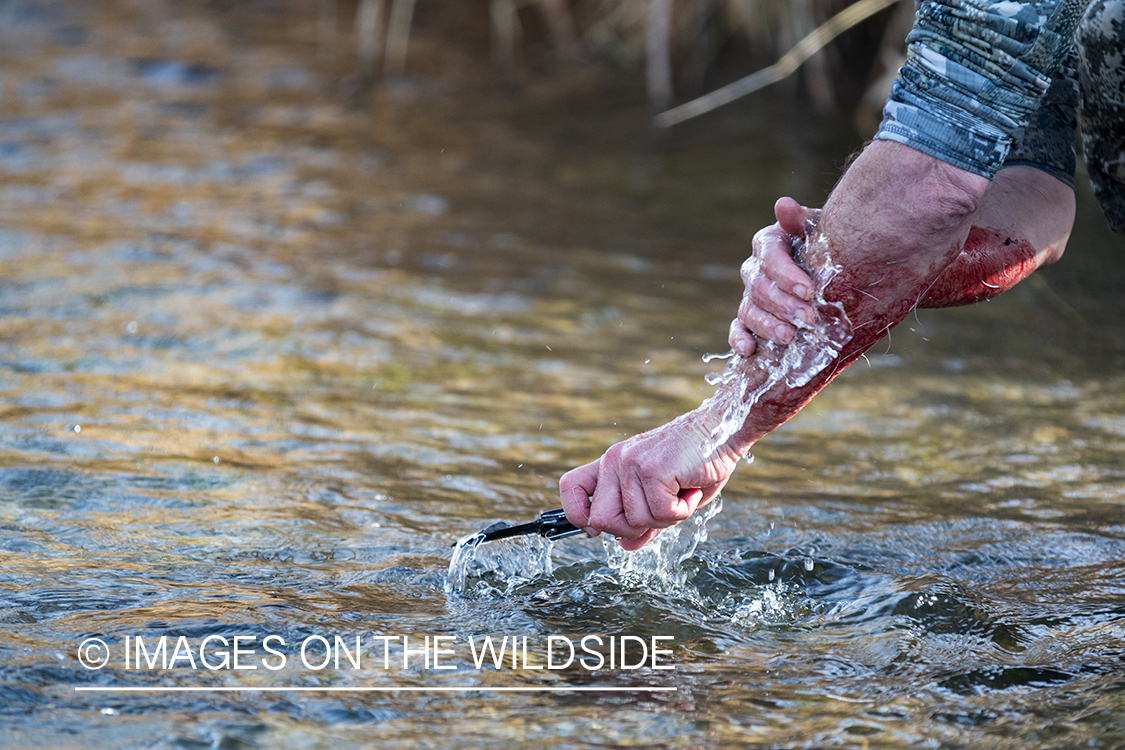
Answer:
x=771 y=603
x=660 y=562
x=815 y=347
x=713 y=357
x=496 y=569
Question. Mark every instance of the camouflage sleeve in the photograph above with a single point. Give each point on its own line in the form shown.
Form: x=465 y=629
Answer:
x=975 y=72
x=1101 y=48
x=1047 y=143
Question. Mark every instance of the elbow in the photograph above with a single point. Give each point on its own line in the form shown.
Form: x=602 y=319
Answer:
x=951 y=199
x=926 y=204
x=1055 y=251
x=1058 y=224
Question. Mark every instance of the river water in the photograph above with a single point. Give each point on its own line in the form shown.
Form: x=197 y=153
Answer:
x=269 y=351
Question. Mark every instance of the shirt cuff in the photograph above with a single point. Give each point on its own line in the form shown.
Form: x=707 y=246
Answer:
x=967 y=88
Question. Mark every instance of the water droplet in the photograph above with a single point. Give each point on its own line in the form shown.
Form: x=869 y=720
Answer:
x=773 y=574
x=808 y=564
x=215 y=459
x=647 y=361
x=78 y=428
x=750 y=460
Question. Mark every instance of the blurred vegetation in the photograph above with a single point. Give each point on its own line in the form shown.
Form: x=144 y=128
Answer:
x=683 y=47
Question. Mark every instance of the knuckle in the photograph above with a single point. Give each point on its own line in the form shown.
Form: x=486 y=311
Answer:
x=601 y=520
x=759 y=238
x=749 y=267
x=762 y=324
x=782 y=249
x=745 y=309
x=762 y=290
x=648 y=466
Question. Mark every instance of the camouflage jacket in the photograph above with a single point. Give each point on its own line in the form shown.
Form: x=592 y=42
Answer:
x=989 y=83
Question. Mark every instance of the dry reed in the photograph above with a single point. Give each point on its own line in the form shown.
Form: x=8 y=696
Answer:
x=679 y=42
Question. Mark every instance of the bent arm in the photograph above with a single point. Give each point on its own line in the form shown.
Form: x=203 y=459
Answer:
x=1023 y=224
x=874 y=257
x=897 y=219
x=900 y=216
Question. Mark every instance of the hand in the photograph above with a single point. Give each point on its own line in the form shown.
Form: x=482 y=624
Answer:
x=648 y=482
x=778 y=292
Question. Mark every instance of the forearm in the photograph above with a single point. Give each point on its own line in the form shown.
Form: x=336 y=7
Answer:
x=1025 y=218
x=895 y=221
x=953 y=115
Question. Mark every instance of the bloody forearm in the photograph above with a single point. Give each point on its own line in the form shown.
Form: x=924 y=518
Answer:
x=991 y=262
x=889 y=231
x=855 y=307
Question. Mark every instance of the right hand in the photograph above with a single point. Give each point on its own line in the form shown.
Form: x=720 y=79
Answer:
x=778 y=292
x=648 y=482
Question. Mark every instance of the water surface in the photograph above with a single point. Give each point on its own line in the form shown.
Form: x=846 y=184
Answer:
x=266 y=353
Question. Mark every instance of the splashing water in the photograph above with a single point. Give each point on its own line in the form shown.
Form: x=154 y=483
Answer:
x=495 y=569
x=659 y=563
x=815 y=347
x=770 y=603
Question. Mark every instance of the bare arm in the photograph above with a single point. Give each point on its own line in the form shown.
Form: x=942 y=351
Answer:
x=1023 y=223
x=895 y=221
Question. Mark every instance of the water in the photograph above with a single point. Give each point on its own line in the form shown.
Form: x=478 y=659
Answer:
x=496 y=569
x=815 y=347
x=266 y=355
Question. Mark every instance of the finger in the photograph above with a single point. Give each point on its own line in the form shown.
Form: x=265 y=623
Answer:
x=760 y=322
x=741 y=339
x=669 y=504
x=634 y=503
x=689 y=500
x=769 y=296
x=576 y=487
x=693 y=497
x=797 y=222
x=778 y=266
x=794 y=218
x=607 y=511
x=642 y=540
x=773 y=258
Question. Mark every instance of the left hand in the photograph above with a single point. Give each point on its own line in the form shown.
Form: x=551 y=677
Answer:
x=647 y=482
x=778 y=292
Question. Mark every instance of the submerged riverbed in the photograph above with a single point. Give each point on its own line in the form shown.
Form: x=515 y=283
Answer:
x=267 y=352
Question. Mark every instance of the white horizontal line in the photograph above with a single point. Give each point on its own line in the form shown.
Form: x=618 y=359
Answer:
x=459 y=688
